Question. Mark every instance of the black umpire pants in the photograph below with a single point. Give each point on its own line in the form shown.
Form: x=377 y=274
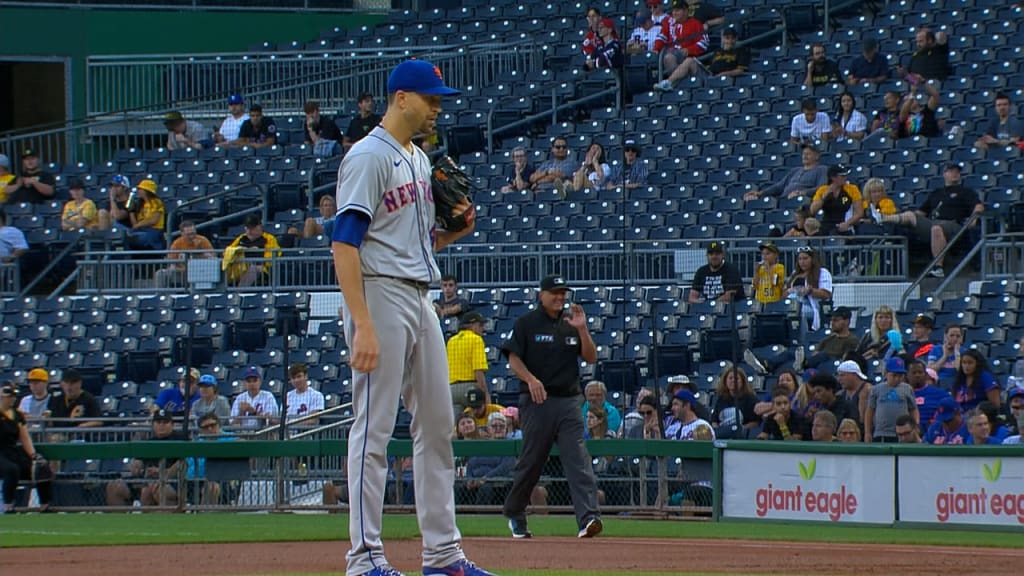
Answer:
x=559 y=420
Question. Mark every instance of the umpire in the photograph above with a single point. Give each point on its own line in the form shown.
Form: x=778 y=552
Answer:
x=543 y=351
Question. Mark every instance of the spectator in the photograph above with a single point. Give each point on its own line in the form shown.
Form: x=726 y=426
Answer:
x=229 y=129
x=303 y=400
x=689 y=426
x=921 y=345
x=35 y=404
x=945 y=359
x=781 y=423
x=12 y=241
x=821 y=70
x=726 y=61
x=18 y=457
x=249 y=258
x=72 y=406
x=907 y=431
x=467 y=360
x=875 y=342
x=146 y=212
x=597 y=427
x=182 y=133
x=927 y=395
x=875 y=198
x=596 y=394
x=593 y=172
x=680 y=382
x=209 y=401
x=609 y=54
x=34 y=185
x=1015 y=397
x=886 y=122
x=800 y=218
x=189 y=244
x=258 y=131
x=1000 y=425
x=173 y=399
x=209 y=430
x=823 y=388
x=974 y=381
x=980 y=429
x=658 y=14
x=450 y=304
x=519 y=172
x=645 y=33
x=732 y=390
x=1002 y=130
x=823 y=426
x=854 y=389
x=488 y=476
x=592 y=38
x=949 y=427
x=633 y=172
x=769 y=275
x=840 y=203
x=848 y=431
x=253 y=408
x=681 y=37
x=650 y=429
x=800 y=181
x=324 y=223
x=707 y=14
x=837 y=344
x=6 y=178
x=158 y=476
x=871 y=66
x=941 y=216
x=557 y=168
x=79 y=212
x=363 y=122
x=718 y=279
x=887 y=402
x=810 y=124
x=916 y=119
x=117 y=209
x=811 y=284
x=512 y=419
x=321 y=131
x=466 y=428
x=931 y=59
x=478 y=407
x=850 y=123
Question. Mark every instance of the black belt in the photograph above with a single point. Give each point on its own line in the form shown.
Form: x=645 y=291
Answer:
x=422 y=286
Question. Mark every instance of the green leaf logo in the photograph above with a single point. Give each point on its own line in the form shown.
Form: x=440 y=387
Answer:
x=993 y=473
x=807 y=471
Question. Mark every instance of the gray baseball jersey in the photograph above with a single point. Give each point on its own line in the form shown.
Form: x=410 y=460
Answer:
x=376 y=178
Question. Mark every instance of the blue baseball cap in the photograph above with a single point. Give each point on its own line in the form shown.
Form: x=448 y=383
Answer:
x=235 y=99
x=250 y=372
x=207 y=380
x=121 y=180
x=419 y=76
x=896 y=366
x=947 y=409
x=685 y=396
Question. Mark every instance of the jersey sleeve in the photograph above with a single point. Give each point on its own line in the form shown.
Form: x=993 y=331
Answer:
x=361 y=182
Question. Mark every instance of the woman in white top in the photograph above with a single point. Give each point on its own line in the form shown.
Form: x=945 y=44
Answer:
x=849 y=122
x=811 y=284
x=594 y=171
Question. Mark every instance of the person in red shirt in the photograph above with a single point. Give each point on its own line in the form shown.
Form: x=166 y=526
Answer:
x=681 y=37
x=592 y=39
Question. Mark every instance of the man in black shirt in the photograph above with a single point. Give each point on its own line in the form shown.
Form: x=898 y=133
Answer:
x=148 y=479
x=941 y=215
x=821 y=70
x=321 y=131
x=33 y=184
x=361 y=125
x=718 y=279
x=258 y=131
x=931 y=59
x=73 y=403
x=543 y=352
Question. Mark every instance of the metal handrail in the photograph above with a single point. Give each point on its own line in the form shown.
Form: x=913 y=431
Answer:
x=262 y=208
x=975 y=216
x=314 y=416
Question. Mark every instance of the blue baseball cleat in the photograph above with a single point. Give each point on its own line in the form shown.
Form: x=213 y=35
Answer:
x=383 y=571
x=458 y=568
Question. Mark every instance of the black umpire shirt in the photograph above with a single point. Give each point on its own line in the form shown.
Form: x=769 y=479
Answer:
x=550 y=349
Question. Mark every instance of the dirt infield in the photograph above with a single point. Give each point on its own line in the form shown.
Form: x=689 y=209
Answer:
x=611 y=554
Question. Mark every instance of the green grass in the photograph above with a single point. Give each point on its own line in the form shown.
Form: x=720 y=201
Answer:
x=107 y=529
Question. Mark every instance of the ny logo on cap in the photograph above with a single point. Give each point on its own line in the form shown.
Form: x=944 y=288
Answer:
x=437 y=72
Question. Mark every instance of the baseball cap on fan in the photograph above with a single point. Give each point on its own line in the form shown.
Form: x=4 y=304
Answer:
x=419 y=76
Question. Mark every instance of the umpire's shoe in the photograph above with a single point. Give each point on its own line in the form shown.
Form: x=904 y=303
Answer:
x=458 y=568
x=518 y=528
x=591 y=529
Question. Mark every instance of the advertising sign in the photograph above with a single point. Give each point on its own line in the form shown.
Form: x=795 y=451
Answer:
x=966 y=490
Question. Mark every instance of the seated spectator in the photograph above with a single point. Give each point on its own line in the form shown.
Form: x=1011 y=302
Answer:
x=732 y=389
x=478 y=407
x=931 y=59
x=189 y=244
x=875 y=342
x=321 y=131
x=254 y=408
x=79 y=212
x=848 y=431
x=650 y=428
x=810 y=124
x=304 y=401
x=823 y=426
x=849 y=123
x=511 y=414
x=466 y=428
x=451 y=304
x=781 y=423
x=592 y=38
x=769 y=275
x=907 y=431
x=839 y=202
x=18 y=457
x=182 y=133
x=1000 y=425
x=6 y=178
x=823 y=389
x=519 y=172
x=227 y=133
x=645 y=33
x=871 y=66
x=323 y=224
x=917 y=119
x=941 y=216
x=726 y=61
x=689 y=426
x=594 y=170
x=148 y=482
x=172 y=400
x=974 y=382
x=12 y=241
x=812 y=227
x=658 y=14
x=716 y=280
x=945 y=359
x=596 y=394
x=116 y=213
x=365 y=121
x=800 y=217
x=811 y=283
x=37 y=401
x=681 y=37
x=146 y=212
x=836 y=346
x=557 y=168
x=609 y=54
x=979 y=428
x=886 y=122
x=490 y=477
x=72 y=406
x=249 y=258
x=209 y=401
x=949 y=426
x=926 y=394
x=597 y=425
x=921 y=344
x=876 y=198
x=258 y=131
x=34 y=185
x=821 y=70
x=209 y=425
x=854 y=390
x=888 y=401
x=633 y=172
x=1002 y=130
